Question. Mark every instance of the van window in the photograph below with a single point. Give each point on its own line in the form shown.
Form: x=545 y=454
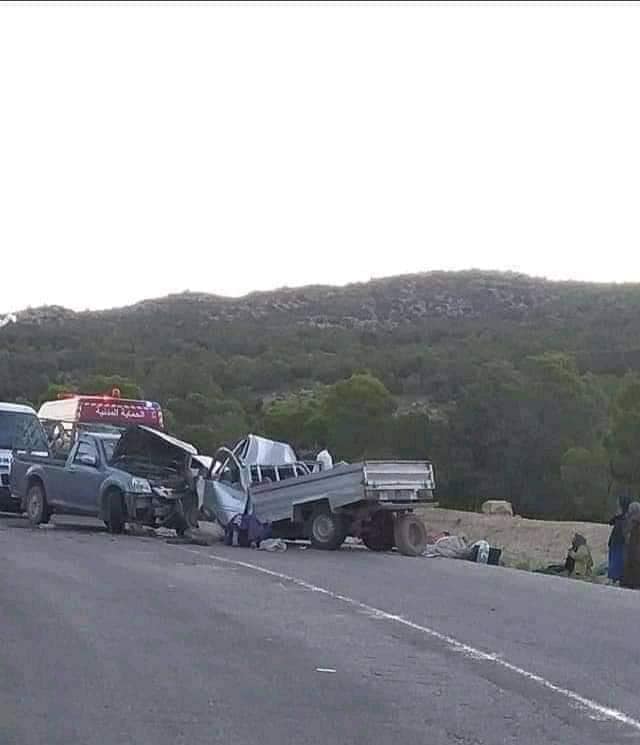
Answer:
x=20 y=431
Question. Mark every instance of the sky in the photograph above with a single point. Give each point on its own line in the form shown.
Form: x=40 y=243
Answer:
x=147 y=149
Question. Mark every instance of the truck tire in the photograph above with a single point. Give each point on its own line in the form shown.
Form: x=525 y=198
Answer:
x=410 y=534
x=327 y=530
x=115 y=511
x=378 y=535
x=37 y=507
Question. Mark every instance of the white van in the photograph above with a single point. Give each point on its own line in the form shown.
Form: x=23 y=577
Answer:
x=20 y=430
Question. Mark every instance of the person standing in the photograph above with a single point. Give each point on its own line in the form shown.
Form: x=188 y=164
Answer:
x=631 y=571
x=324 y=461
x=616 y=541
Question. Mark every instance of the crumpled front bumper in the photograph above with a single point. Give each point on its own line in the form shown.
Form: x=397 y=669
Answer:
x=159 y=508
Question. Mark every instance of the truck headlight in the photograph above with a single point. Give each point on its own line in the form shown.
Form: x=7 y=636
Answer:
x=140 y=486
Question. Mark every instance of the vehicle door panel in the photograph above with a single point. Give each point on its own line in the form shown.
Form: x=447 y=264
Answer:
x=84 y=480
x=58 y=483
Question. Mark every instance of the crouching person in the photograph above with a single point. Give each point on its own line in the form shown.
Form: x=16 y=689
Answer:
x=579 y=559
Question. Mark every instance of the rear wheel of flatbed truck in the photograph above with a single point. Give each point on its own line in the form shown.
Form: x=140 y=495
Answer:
x=410 y=535
x=378 y=534
x=37 y=507
x=327 y=530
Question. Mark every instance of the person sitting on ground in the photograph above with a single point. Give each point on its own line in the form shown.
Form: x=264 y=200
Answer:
x=615 y=566
x=631 y=570
x=580 y=554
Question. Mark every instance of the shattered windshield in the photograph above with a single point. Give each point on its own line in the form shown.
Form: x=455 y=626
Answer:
x=21 y=431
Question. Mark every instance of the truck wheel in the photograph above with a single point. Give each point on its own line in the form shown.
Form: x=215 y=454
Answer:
x=115 y=510
x=410 y=534
x=327 y=530
x=37 y=508
x=378 y=535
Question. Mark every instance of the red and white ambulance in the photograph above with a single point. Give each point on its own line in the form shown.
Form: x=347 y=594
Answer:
x=103 y=410
x=109 y=413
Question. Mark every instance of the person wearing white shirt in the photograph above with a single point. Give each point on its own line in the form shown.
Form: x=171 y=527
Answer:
x=324 y=461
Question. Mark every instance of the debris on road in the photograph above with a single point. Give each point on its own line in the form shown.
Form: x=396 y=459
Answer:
x=272 y=544
x=143 y=531
x=449 y=547
x=213 y=529
x=246 y=531
x=457 y=547
x=194 y=537
x=526 y=543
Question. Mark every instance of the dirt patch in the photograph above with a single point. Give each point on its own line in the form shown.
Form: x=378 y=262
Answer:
x=525 y=544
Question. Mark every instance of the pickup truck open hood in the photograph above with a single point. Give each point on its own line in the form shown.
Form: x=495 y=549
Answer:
x=144 y=443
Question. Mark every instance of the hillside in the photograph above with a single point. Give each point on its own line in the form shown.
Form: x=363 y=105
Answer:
x=436 y=341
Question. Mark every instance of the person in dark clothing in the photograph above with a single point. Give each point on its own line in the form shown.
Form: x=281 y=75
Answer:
x=631 y=571
x=616 y=540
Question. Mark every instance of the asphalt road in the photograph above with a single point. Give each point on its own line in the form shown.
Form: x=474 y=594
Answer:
x=119 y=640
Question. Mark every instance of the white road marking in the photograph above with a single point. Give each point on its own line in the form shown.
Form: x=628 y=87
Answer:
x=592 y=708
x=325 y=670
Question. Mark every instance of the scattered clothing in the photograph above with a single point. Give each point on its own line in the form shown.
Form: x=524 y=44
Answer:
x=449 y=547
x=273 y=544
x=246 y=531
x=480 y=552
x=560 y=569
x=431 y=539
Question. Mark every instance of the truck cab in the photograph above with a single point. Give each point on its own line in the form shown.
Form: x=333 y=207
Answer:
x=20 y=431
x=143 y=476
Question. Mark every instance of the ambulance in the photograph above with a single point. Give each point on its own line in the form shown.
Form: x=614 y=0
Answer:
x=73 y=412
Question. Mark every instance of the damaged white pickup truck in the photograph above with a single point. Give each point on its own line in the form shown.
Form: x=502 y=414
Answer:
x=372 y=500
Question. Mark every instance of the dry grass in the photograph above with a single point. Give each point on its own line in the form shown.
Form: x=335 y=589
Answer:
x=525 y=544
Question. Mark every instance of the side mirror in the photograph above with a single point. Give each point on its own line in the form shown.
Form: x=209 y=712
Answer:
x=88 y=460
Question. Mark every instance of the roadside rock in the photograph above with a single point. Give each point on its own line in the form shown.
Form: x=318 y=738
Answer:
x=497 y=507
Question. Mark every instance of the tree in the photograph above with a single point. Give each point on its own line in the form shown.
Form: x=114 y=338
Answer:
x=518 y=423
x=207 y=422
x=100 y=385
x=358 y=412
x=623 y=439
x=414 y=436
x=54 y=390
x=286 y=419
x=585 y=475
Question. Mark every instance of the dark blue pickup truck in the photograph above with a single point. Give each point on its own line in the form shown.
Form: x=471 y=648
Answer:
x=143 y=476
